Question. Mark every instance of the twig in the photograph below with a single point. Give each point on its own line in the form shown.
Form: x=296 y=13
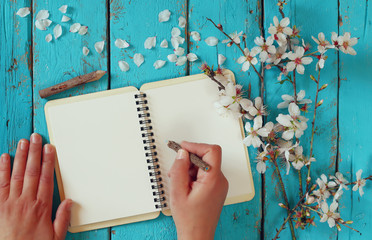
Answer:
x=211 y=75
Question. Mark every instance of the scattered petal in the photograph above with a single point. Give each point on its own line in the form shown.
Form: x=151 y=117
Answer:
x=195 y=35
x=172 y=57
x=99 y=46
x=221 y=59
x=57 y=31
x=63 y=9
x=159 y=64
x=120 y=43
x=48 y=37
x=83 y=30
x=150 y=42
x=192 y=57
x=65 y=18
x=182 y=22
x=175 y=43
x=42 y=14
x=85 y=51
x=40 y=25
x=46 y=22
x=164 y=15
x=211 y=41
x=164 y=44
x=181 y=60
x=138 y=59
x=75 y=27
x=124 y=66
x=175 y=32
x=23 y=12
x=179 y=51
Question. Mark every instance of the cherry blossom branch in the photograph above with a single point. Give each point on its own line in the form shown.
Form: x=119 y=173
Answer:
x=285 y=197
x=291 y=212
x=337 y=220
x=281 y=6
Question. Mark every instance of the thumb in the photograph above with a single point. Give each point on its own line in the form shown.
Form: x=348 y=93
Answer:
x=179 y=175
x=62 y=220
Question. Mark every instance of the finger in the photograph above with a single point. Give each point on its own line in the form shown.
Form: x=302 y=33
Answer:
x=19 y=165
x=32 y=173
x=4 y=176
x=209 y=153
x=45 y=189
x=179 y=175
x=62 y=220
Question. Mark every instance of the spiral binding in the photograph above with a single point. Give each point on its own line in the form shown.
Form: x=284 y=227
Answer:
x=150 y=150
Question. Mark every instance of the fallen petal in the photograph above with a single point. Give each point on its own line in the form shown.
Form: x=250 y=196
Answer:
x=99 y=46
x=46 y=22
x=63 y=8
x=181 y=60
x=120 y=43
x=57 y=31
x=83 y=30
x=164 y=44
x=159 y=64
x=85 y=51
x=175 y=32
x=211 y=41
x=195 y=35
x=179 y=51
x=175 y=43
x=182 y=22
x=23 y=12
x=65 y=18
x=221 y=59
x=75 y=27
x=40 y=25
x=150 y=42
x=172 y=57
x=138 y=59
x=164 y=15
x=124 y=66
x=192 y=57
x=42 y=14
x=48 y=37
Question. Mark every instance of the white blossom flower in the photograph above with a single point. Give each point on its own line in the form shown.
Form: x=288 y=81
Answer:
x=258 y=109
x=211 y=41
x=286 y=147
x=321 y=61
x=48 y=37
x=57 y=31
x=298 y=60
x=172 y=57
x=65 y=18
x=297 y=159
x=336 y=40
x=191 y=57
x=164 y=15
x=150 y=42
x=181 y=60
x=280 y=54
x=346 y=44
x=138 y=59
x=124 y=66
x=248 y=59
x=254 y=133
x=360 y=183
x=99 y=46
x=164 y=44
x=235 y=36
x=294 y=123
x=330 y=214
x=306 y=46
x=261 y=158
x=322 y=193
x=229 y=100
x=159 y=64
x=290 y=99
x=85 y=51
x=23 y=12
x=323 y=44
x=309 y=199
x=340 y=180
x=120 y=43
x=63 y=9
x=195 y=35
x=280 y=30
x=265 y=47
x=75 y=27
x=221 y=59
x=338 y=194
x=182 y=22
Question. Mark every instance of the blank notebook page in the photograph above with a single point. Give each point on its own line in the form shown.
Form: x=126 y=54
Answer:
x=185 y=111
x=101 y=157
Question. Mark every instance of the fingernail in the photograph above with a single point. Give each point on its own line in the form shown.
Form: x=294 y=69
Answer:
x=48 y=148
x=24 y=144
x=181 y=154
x=4 y=158
x=35 y=138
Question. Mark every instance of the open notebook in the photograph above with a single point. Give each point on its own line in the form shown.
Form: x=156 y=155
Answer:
x=112 y=154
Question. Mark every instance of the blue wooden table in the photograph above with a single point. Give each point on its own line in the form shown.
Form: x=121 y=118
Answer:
x=342 y=140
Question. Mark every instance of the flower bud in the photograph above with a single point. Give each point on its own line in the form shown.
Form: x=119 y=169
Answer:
x=219 y=26
x=282 y=205
x=313 y=78
x=338 y=227
x=323 y=87
x=319 y=103
x=349 y=222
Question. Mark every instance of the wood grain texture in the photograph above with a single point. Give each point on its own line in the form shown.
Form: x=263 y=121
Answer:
x=15 y=76
x=355 y=116
x=311 y=20
x=62 y=59
x=238 y=221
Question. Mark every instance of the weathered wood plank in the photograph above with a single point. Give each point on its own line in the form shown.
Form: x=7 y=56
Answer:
x=63 y=59
x=238 y=221
x=134 y=21
x=15 y=72
x=354 y=116
x=311 y=19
